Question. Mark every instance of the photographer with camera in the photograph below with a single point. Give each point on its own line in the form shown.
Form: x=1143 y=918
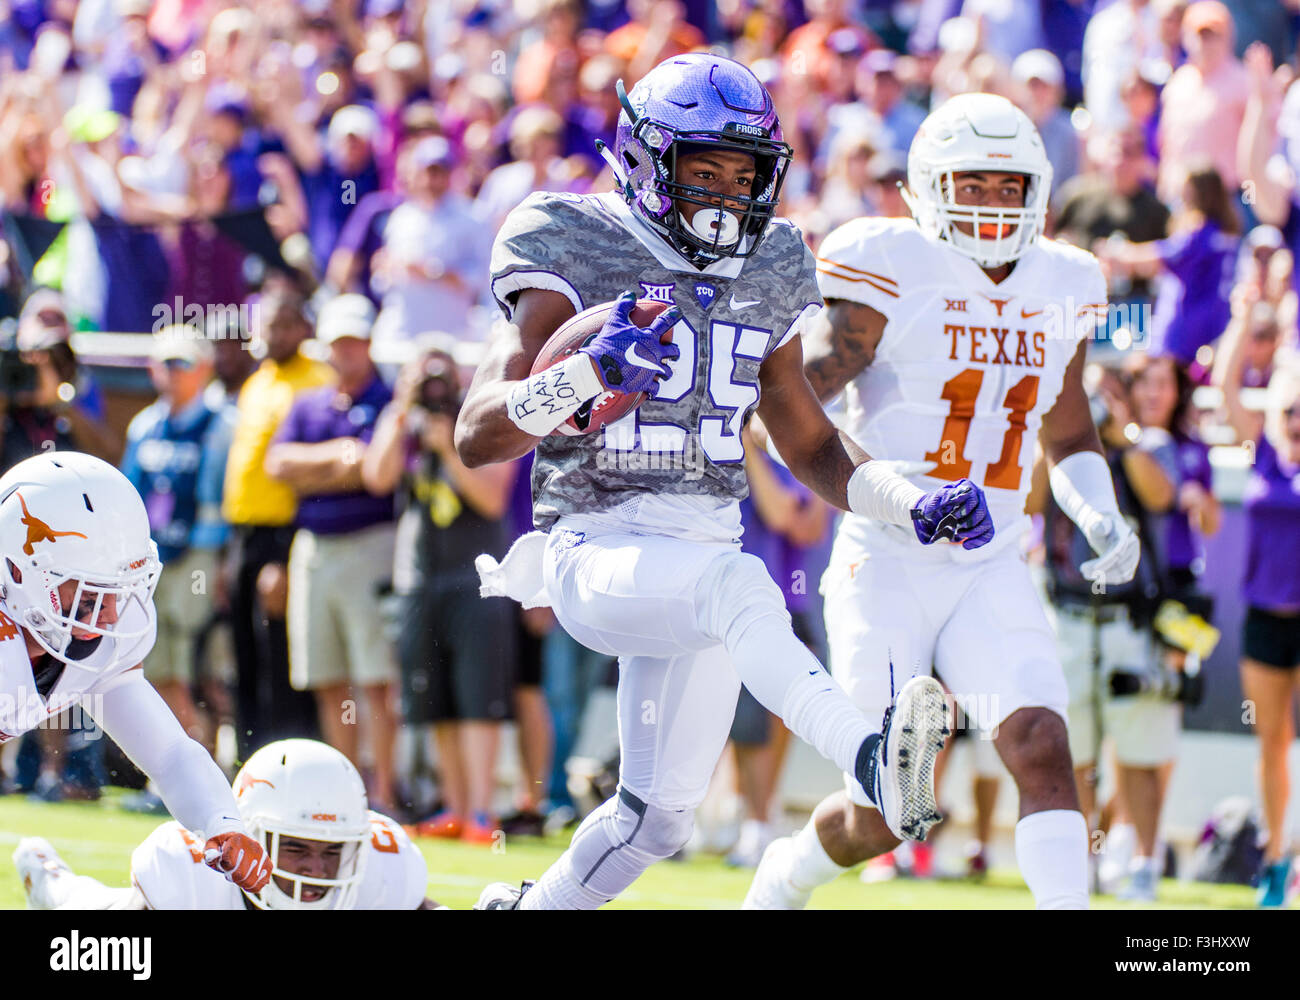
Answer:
x=457 y=650
x=1126 y=680
x=46 y=399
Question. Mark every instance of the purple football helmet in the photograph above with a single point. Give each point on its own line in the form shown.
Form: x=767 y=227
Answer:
x=690 y=101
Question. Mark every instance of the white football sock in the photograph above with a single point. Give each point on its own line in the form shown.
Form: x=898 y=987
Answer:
x=810 y=865
x=745 y=610
x=559 y=888
x=1052 y=851
x=609 y=851
x=787 y=679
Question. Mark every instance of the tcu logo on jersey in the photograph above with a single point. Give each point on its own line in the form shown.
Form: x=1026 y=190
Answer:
x=657 y=293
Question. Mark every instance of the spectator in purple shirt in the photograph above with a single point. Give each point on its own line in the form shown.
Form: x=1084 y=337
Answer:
x=335 y=174
x=1270 y=664
x=342 y=554
x=1198 y=263
x=1161 y=394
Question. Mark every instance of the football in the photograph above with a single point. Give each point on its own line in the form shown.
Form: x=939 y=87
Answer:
x=608 y=406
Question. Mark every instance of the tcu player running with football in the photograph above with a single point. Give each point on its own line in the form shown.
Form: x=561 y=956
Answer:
x=640 y=556
x=306 y=803
x=951 y=337
x=76 y=621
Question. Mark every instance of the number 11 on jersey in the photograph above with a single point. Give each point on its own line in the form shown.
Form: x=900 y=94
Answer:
x=949 y=457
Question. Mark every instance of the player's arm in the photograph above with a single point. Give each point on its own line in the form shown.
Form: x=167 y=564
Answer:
x=509 y=410
x=839 y=343
x=193 y=788
x=1258 y=138
x=485 y=431
x=1080 y=480
x=832 y=465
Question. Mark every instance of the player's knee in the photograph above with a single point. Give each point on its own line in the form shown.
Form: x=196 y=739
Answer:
x=1034 y=744
x=657 y=831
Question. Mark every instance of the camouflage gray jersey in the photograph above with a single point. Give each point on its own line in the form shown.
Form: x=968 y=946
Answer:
x=734 y=314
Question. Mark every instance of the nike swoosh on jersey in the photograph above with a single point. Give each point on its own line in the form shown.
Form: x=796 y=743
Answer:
x=635 y=359
x=742 y=305
x=1030 y=315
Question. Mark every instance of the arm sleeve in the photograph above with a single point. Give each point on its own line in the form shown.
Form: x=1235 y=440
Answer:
x=855 y=263
x=533 y=249
x=195 y=791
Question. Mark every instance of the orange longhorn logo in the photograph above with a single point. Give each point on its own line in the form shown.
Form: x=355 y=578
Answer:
x=39 y=531
x=247 y=781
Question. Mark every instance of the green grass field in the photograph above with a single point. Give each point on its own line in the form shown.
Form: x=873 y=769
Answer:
x=97 y=839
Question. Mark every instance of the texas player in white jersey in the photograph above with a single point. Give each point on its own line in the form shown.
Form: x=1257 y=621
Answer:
x=77 y=619
x=306 y=802
x=956 y=336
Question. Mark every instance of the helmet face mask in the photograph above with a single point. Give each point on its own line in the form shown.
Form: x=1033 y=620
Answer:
x=685 y=105
x=978 y=133
x=295 y=791
x=339 y=889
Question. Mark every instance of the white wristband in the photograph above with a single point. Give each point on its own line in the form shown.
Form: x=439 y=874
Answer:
x=878 y=492
x=541 y=402
x=1082 y=488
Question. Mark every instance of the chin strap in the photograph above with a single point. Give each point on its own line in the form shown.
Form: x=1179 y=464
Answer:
x=624 y=102
x=615 y=167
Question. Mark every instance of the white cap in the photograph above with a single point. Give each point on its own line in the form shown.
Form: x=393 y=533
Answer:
x=1038 y=64
x=181 y=342
x=353 y=120
x=349 y=315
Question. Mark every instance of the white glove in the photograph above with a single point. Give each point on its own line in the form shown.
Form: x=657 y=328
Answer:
x=1117 y=548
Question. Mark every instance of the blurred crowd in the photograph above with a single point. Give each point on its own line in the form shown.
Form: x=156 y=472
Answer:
x=239 y=180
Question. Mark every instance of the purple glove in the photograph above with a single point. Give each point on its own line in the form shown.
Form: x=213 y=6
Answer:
x=629 y=358
x=957 y=512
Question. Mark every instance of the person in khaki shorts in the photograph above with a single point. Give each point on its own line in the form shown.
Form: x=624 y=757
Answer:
x=176 y=458
x=342 y=553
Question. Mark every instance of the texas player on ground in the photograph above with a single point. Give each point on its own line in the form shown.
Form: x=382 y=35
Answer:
x=640 y=556
x=955 y=337
x=77 y=619
x=306 y=802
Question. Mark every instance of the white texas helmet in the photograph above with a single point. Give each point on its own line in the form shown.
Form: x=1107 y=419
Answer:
x=67 y=516
x=309 y=791
x=978 y=132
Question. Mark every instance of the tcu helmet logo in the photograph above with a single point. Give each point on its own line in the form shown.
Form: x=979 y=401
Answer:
x=39 y=531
